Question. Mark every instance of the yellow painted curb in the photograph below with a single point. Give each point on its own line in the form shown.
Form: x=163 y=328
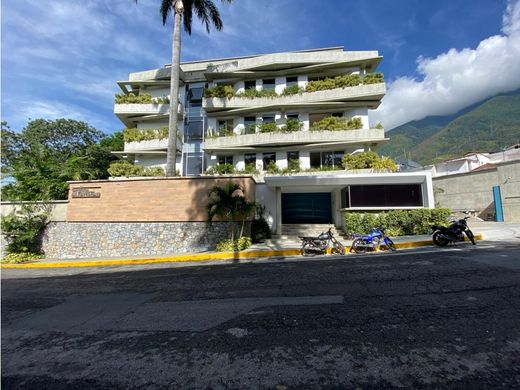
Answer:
x=191 y=257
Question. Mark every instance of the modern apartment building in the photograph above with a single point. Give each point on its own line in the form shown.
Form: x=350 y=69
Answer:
x=287 y=117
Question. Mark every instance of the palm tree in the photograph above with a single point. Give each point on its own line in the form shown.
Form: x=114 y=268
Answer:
x=208 y=13
x=229 y=203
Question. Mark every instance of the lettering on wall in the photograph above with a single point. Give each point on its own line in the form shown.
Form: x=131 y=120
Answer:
x=83 y=192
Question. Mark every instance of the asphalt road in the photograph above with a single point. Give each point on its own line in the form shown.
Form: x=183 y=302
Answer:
x=419 y=319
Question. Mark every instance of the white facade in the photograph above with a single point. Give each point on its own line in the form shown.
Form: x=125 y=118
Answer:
x=252 y=133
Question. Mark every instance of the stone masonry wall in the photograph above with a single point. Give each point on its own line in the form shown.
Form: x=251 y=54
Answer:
x=64 y=240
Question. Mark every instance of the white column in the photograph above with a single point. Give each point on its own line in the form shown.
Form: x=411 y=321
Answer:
x=278 y=210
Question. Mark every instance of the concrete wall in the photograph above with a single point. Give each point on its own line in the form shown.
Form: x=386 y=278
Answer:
x=473 y=191
x=146 y=200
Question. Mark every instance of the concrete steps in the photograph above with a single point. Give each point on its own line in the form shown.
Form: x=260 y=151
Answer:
x=290 y=233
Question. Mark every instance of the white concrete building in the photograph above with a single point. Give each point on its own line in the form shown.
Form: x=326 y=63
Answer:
x=268 y=114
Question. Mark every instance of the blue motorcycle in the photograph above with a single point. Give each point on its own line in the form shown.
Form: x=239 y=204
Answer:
x=373 y=240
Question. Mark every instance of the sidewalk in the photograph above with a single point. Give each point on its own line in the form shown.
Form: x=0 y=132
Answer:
x=288 y=249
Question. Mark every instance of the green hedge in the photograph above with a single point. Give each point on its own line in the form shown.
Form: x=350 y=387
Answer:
x=127 y=169
x=367 y=160
x=337 y=123
x=396 y=222
x=142 y=98
x=232 y=246
x=137 y=135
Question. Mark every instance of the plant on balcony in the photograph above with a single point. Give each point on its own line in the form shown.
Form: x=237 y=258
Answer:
x=337 y=123
x=379 y=126
x=369 y=160
x=127 y=169
x=225 y=132
x=291 y=125
x=272 y=168
x=249 y=169
x=267 y=127
x=373 y=78
x=130 y=98
x=221 y=169
x=343 y=81
x=220 y=91
x=293 y=90
x=255 y=93
x=137 y=135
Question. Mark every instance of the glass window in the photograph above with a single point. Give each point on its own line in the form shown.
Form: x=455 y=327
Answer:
x=289 y=81
x=293 y=161
x=250 y=84
x=225 y=159
x=192 y=164
x=338 y=159
x=250 y=124
x=327 y=159
x=315 y=158
x=267 y=158
x=268 y=118
x=195 y=94
x=268 y=84
x=391 y=195
x=250 y=159
x=294 y=116
x=337 y=114
x=193 y=131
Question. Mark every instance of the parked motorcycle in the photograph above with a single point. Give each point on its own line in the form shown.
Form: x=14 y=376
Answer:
x=319 y=245
x=372 y=241
x=444 y=235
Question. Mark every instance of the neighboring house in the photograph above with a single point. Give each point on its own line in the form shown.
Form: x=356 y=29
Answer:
x=474 y=161
x=262 y=118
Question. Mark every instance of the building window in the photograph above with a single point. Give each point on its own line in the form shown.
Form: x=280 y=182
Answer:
x=326 y=159
x=290 y=81
x=337 y=114
x=293 y=116
x=250 y=159
x=268 y=84
x=390 y=195
x=193 y=130
x=192 y=164
x=225 y=160
x=268 y=118
x=250 y=124
x=225 y=127
x=293 y=161
x=269 y=158
x=251 y=84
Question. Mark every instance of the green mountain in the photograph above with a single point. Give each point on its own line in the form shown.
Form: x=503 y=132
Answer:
x=486 y=127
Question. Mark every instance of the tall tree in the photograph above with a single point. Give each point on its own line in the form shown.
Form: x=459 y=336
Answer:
x=208 y=13
x=46 y=154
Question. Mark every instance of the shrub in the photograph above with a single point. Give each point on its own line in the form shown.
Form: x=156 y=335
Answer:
x=272 y=167
x=131 y=98
x=228 y=245
x=293 y=165
x=220 y=91
x=255 y=93
x=291 y=125
x=267 y=127
x=137 y=135
x=379 y=126
x=396 y=222
x=292 y=90
x=360 y=161
x=16 y=258
x=23 y=228
x=373 y=78
x=250 y=169
x=221 y=169
x=385 y=164
x=337 y=123
x=343 y=81
x=260 y=230
x=127 y=169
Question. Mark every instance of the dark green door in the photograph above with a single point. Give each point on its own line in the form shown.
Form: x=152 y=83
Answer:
x=308 y=207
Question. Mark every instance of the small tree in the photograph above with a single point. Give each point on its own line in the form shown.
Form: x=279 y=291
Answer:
x=23 y=228
x=229 y=203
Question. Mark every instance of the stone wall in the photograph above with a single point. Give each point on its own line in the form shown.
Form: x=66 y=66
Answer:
x=63 y=240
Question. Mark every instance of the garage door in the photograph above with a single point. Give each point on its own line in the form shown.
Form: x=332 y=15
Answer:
x=309 y=207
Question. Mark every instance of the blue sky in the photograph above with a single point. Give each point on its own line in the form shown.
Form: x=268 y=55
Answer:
x=62 y=58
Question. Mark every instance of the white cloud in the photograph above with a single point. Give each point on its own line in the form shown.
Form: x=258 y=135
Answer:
x=457 y=78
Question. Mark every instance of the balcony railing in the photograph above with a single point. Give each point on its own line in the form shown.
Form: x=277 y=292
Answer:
x=295 y=138
x=359 y=92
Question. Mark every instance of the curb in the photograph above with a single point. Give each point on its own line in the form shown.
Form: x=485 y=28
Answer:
x=193 y=257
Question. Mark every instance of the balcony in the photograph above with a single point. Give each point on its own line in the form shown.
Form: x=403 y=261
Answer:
x=129 y=114
x=365 y=92
x=307 y=138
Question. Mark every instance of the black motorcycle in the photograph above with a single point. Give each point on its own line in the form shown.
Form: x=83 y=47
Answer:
x=319 y=245
x=444 y=235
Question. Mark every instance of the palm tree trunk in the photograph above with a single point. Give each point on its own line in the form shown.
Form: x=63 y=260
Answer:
x=171 y=156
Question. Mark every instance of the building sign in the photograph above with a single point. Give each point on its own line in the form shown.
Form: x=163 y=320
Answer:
x=83 y=192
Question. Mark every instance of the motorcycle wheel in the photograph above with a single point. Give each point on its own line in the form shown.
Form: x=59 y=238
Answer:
x=357 y=246
x=338 y=247
x=438 y=239
x=306 y=249
x=471 y=237
x=390 y=244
